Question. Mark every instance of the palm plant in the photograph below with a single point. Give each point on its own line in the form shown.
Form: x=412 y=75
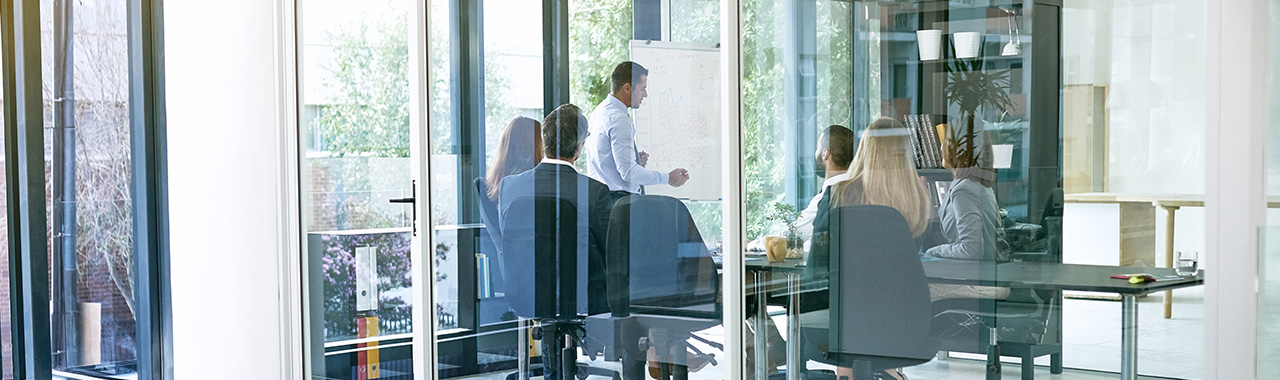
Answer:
x=971 y=86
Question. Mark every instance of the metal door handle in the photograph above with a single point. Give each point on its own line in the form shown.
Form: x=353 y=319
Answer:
x=413 y=202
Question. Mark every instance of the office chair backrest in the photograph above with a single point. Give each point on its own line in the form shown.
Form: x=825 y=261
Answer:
x=879 y=300
x=669 y=264
x=488 y=213
x=545 y=259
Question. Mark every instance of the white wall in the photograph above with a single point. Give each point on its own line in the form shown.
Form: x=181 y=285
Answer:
x=224 y=209
x=1151 y=56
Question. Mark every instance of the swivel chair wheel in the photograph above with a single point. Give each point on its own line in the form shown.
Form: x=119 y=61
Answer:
x=644 y=344
x=537 y=333
x=993 y=362
x=993 y=371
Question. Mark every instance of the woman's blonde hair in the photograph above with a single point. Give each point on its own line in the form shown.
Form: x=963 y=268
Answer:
x=519 y=149
x=882 y=173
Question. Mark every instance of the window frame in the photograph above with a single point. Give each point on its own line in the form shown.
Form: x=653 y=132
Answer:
x=24 y=144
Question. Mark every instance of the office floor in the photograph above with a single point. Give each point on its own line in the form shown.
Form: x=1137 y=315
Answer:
x=1168 y=348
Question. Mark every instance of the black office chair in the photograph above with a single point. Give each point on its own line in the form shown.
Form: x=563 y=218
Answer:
x=879 y=296
x=544 y=264
x=1018 y=326
x=663 y=286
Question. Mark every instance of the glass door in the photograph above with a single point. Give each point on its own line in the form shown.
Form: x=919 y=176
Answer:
x=358 y=180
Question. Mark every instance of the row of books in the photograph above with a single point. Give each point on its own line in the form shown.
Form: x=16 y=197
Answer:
x=925 y=142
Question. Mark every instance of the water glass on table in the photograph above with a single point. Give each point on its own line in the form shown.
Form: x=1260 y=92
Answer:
x=1186 y=263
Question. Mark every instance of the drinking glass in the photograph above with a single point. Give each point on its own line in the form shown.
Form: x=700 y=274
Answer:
x=1186 y=263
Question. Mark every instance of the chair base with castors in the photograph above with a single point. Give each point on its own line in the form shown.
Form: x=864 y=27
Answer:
x=628 y=339
x=561 y=341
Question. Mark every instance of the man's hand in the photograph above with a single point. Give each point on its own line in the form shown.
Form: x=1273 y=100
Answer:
x=677 y=177
x=642 y=159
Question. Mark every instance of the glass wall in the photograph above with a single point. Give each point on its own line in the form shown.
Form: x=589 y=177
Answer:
x=520 y=182
x=88 y=172
x=898 y=137
x=356 y=183
x=966 y=175
x=1133 y=127
x=1269 y=252
x=1020 y=141
x=6 y=298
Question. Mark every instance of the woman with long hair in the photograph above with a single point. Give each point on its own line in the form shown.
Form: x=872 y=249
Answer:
x=882 y=174
x=519 y=149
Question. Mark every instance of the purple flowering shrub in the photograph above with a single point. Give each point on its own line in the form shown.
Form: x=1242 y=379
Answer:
x=393 y=268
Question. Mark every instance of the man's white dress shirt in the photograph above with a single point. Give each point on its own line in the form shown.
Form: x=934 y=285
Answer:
x=804 y=225
x=558 y=162
x=612 y=152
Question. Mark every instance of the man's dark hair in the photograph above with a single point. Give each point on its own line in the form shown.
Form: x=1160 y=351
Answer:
x=838 y=141
x=562 y=131
x=627 y=72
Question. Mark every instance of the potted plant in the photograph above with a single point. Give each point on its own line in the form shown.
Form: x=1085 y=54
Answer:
x=786 y=213
x=971 y=86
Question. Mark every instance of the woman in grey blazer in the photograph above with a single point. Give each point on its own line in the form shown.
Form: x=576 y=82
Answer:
x=970 y=215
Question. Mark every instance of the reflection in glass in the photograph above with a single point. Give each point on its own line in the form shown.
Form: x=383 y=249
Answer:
x=943 y=146
x=695 y=21
x=353 y=94
x=1133 y=127
x=6 y=318
x=88 y=150
x=1269 y=255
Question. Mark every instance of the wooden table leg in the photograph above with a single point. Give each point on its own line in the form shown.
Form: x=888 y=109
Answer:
x=1168 y=255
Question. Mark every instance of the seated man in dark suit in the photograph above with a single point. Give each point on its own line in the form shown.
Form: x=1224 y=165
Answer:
x=534 y=228
x=563 y=133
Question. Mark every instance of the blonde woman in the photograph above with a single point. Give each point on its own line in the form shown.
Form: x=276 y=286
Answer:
x=882 y=174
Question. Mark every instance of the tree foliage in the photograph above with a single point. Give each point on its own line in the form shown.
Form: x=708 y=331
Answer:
x=369 y=80
x=599 y=38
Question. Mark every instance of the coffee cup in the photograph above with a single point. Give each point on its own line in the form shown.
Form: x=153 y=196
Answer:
x=776 y=246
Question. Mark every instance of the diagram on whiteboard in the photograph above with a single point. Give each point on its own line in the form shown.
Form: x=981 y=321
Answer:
x=679 y=124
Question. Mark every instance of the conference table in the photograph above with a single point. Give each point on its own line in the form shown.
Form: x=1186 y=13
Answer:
x=1016 y=275
x=1170 y=203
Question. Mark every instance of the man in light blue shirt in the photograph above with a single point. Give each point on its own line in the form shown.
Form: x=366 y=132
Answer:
x=613 y=156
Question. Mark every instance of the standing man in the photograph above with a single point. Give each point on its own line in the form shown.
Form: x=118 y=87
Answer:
x=614 y=159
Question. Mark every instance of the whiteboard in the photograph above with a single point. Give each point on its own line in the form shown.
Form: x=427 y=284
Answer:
x=679 y=123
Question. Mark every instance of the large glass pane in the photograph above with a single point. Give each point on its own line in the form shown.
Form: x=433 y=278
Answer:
x=695 y=21
x=6 y=319
x=487 y=101
x=87 y=141
x=971 y=129
x=1269 y=260
x=526 y=227
x=799 y=78
x=1133 y=127
x=354 y=121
